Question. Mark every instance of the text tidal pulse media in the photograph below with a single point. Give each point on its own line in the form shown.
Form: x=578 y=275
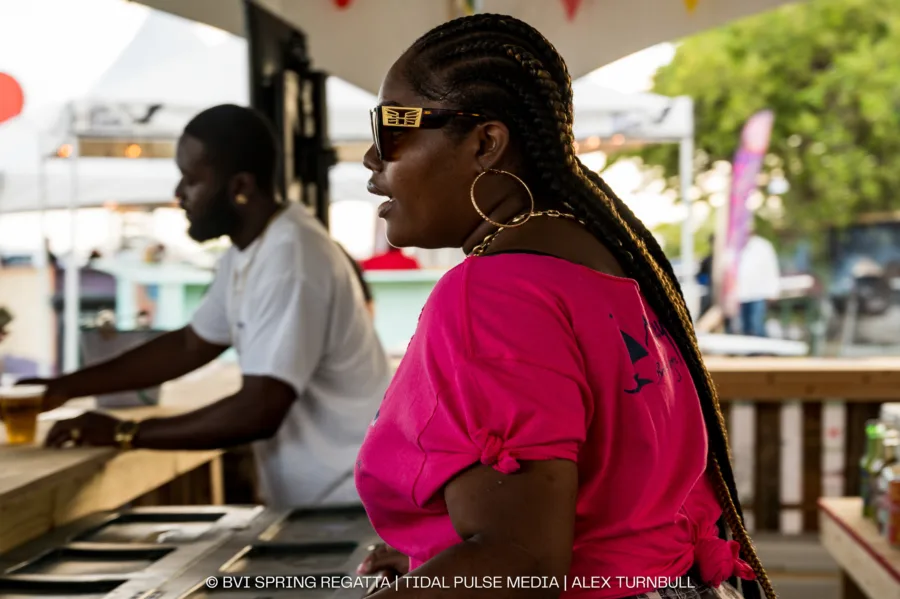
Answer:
x=451 y=582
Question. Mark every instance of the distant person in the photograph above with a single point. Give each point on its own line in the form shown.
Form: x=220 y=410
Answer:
x=758 y=282
x=52 y=259
x=285 y=298
x=5 y=319
x=705 y=275
x=392 y=259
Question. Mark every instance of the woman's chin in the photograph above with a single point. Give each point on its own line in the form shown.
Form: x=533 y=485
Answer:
x=398 y=239
x=402 y=234
x=398 y=233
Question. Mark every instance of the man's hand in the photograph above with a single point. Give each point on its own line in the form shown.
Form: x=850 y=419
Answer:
x=89 y=429
x=55 y=394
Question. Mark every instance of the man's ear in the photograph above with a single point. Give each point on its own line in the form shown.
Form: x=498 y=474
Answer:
x=242 y=187
x=490 y=144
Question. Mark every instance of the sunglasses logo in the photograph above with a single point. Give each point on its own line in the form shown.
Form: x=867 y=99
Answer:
x=401 y=117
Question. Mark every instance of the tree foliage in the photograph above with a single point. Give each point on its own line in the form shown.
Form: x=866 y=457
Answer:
x=830 y=70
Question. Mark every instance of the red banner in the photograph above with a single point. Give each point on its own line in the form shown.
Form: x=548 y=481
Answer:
x=343 y=3
x=572 y=7
x=12 y=99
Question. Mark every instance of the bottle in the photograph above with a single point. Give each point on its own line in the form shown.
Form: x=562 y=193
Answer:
x=873 y=434
x=890 y=482
x=881 y=481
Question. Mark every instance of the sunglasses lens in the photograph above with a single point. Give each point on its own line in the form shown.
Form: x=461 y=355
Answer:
x=376 y=131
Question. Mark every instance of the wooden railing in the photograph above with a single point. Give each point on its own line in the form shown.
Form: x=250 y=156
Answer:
x=770 y=384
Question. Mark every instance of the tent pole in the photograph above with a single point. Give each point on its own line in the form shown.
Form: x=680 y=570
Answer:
x=42 y=262
x=72 y=299
x=689 y=269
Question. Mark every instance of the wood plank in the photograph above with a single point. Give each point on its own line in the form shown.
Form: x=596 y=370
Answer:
x=849 y=588
x=217 y=481
x=863 y=554
x=767 y=479
x=857 y=416
x=811 y=461
x=779 y=379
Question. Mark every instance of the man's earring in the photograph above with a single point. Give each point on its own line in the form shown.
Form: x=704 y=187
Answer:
x=240 y=199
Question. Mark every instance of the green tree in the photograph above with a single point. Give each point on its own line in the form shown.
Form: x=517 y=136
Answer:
x=830 y=70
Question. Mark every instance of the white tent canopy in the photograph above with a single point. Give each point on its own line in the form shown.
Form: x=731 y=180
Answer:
x=186 y=67
x=360 y=42
x=647 y=118
x=183 y=68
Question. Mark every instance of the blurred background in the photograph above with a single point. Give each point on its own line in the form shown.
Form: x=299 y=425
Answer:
x=759 y=140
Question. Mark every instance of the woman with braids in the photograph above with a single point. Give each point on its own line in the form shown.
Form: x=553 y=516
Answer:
x=552 y=416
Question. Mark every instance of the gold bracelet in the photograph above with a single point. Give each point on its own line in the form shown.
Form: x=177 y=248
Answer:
x=125 y=432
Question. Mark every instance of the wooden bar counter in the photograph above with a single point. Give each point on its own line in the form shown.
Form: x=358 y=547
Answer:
x=41 y=488
x=786 y=379
x=870 y=567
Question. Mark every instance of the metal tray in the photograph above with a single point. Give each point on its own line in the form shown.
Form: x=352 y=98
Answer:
x=337 y=523
x=281 y=558
x=78 y=561
x=150 y=527
x=24 y=588
x=81 y=561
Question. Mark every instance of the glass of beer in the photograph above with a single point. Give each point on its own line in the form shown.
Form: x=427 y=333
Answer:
x=19 y=408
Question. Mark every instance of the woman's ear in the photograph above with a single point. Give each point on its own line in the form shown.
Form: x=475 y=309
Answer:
x=493 y=144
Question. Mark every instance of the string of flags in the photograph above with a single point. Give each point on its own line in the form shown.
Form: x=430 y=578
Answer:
x=470 y=7
x=571 y=7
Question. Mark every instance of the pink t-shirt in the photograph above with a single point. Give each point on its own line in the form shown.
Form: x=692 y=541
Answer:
x=529 y=357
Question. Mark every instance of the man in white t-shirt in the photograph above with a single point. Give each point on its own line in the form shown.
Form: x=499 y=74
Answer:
x=758 y=281
x=286 y=298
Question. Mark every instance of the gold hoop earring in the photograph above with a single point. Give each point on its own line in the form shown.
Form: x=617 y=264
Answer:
x=514 y=222
x=240 y=199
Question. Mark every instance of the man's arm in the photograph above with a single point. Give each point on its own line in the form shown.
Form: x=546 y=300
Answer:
x=162 y=359
x=240 y=418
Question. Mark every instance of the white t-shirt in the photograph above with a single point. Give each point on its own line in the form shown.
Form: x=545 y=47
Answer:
x=292 y=308
x=759 y=276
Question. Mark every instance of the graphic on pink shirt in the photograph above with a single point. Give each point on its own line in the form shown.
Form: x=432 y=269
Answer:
x=520 y=357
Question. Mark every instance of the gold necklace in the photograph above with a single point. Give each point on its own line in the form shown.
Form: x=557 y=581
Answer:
x=486 y=242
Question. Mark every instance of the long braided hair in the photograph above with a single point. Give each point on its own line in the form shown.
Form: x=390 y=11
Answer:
x=502 y=67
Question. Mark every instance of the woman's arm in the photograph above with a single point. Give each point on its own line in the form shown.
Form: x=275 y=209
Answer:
x=512 y=525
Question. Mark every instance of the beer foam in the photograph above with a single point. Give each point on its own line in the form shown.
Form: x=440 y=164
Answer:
x=22 y=392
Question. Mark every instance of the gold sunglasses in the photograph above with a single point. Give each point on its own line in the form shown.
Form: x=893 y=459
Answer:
x=387 y=118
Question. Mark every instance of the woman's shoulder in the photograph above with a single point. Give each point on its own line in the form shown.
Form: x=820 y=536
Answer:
x=484 y=281
x=497 y=306
x=530 y=277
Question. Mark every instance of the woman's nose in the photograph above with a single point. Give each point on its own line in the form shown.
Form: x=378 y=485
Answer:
x=371 y=160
